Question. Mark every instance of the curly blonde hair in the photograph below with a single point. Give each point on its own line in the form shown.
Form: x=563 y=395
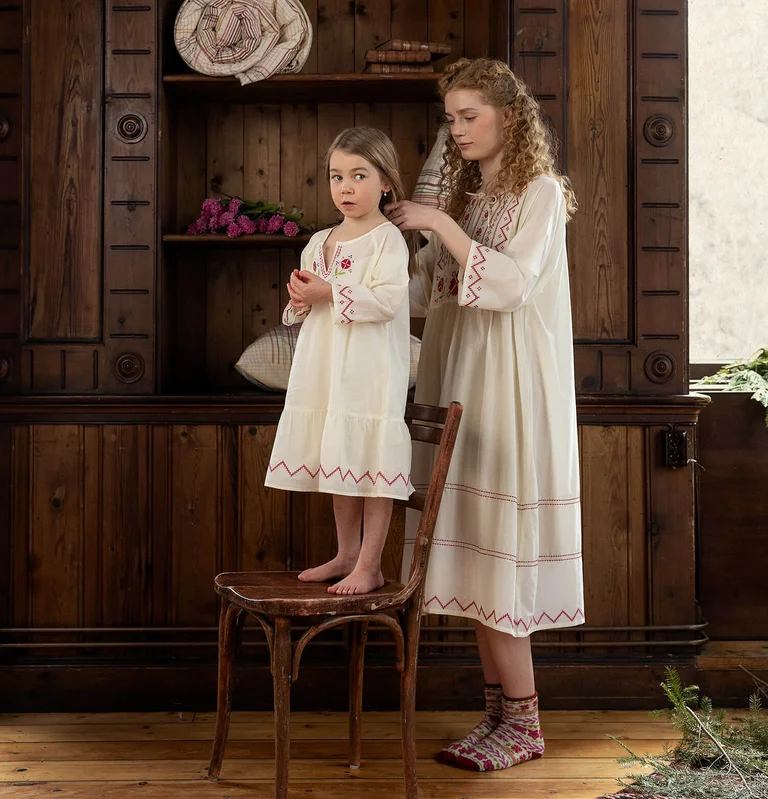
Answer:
x=529 y=147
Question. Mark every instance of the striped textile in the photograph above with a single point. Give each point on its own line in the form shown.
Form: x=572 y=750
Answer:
x=251 y=39
x=427 y=190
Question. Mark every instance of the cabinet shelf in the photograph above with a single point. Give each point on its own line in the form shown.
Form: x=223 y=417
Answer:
x=305 y=88
x=220 y=240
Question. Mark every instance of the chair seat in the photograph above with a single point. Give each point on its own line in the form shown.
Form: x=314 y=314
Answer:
x=283 y=594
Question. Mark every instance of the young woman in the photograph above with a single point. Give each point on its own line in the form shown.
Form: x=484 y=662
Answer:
x=493 y=283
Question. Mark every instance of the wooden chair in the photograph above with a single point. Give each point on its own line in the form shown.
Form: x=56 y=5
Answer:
x=275 y=598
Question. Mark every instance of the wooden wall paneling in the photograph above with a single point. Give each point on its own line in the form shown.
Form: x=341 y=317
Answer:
x=91 y=552
x=374 y=115
x=597 y=164
x=335 y=31
x=190 y=166
x=660 y=175
x=446 y=25
x=224 y=292
x=313 y=530
x=408 y=19
x=126 y=525
x=372 y=27
x=298 y=168
x=261 y=295
x=410 y=133
x=332 y=118
x=540 y=56
x=672 y=533
x=261 y=152
x=20 y=553
x=196 y=521
x=12 y=165
x=732 y=444
x=161 y=482
x=56 y=525
x=6 y=520
x=479 y=22
x=264 y=530
x=65 y=280
x=130 y=198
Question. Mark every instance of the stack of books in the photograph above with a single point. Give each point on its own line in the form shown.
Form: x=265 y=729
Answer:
x=404 y=55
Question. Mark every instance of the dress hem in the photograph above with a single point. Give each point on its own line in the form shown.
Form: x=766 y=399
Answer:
x=517 y=631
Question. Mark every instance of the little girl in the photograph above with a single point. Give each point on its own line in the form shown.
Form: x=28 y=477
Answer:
x=342 y=430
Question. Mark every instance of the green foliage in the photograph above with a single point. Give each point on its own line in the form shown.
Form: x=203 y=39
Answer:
x=716 y=758
x=750 y=375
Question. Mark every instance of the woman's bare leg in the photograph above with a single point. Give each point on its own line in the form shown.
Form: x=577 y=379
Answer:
x=367 y=575
x=507 y=661
x=348 y=512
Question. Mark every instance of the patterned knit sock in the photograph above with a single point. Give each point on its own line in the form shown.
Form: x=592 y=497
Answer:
x=492 y=717
x=516 y=739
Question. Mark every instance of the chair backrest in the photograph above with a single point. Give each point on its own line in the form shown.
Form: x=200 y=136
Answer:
x=432 y=425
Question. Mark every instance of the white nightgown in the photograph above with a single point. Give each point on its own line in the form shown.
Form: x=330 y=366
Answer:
x=498 y=338
x=342 y=430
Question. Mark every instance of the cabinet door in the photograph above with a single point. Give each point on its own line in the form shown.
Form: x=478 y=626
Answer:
x=611 y=78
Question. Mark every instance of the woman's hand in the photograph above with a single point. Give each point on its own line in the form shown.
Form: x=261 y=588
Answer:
x=306 y=289
x=408 y=215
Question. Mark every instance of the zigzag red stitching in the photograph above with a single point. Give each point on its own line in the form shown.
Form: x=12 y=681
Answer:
x=504 y=227
x=474 y=267
x=343 y=476
x=534 y=622
x=348 y=307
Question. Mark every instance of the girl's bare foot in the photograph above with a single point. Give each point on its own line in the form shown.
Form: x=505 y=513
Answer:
x=360 y=581
x=333 y=570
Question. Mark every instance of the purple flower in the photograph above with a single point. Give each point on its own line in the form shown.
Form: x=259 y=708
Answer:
x=261 y=225
x=234 y=205
x=291 y=229
x=275 y=224
x=226 y=219
x=233 y=230
x=247 y=225
x=214 y=223
x=198 y=226
x=211 y=208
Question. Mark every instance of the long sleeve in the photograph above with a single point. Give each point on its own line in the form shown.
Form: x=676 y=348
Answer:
x=420 y=288
x=381 y=297
x=291 y=315
x=509 y=279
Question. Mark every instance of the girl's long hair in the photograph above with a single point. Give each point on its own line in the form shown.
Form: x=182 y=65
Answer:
x=529 y=147
x=377 y=148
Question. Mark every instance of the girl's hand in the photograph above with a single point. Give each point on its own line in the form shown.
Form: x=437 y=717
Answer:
x=408 y=215
x=306 y=289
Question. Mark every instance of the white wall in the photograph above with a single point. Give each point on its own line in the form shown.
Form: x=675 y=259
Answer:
x=728 y=175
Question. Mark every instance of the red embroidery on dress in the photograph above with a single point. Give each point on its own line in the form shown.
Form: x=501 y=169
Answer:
x=346 y=310
x=504 y=227
x=343 y=475
x=471 y=296
x=495 y=495
x=533 y=621
x=492 y=553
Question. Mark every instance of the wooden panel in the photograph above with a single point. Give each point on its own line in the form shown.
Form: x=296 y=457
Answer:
x=446 y=25
x=195 y=523
x=261 y=296
x=56 y=525
x=6 y=519
x=733 y=517
x=224 y=317
x=597 y=165
x=311 y=7
x=261 y=152
x=264 y=529
x=409 y=19
x=409 y=135
x=125 y=530
x=335 y=29
x=298 y=171
x=65 y=163
x=372 y=27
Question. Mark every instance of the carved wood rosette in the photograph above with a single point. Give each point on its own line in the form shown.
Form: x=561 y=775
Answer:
x=638 y=340
x=11 y=165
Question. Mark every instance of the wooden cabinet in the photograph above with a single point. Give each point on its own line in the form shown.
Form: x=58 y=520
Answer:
x=132 y=455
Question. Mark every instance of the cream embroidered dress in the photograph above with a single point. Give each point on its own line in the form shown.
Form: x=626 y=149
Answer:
x=342 y=430
x=498 y=339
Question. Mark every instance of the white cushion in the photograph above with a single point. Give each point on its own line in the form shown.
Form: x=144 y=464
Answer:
x=267 y=362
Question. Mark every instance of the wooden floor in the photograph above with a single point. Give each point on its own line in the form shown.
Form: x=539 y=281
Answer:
x=165 y=755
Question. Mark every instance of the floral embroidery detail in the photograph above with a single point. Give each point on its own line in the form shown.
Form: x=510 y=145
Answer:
x=440 y=285
x=453 y=286
x=346 y=263
x=472 y=292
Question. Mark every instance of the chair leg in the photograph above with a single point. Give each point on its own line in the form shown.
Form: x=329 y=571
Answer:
x=359 y=637
x=227 y=635
x=408 y=704
x=281 y=677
